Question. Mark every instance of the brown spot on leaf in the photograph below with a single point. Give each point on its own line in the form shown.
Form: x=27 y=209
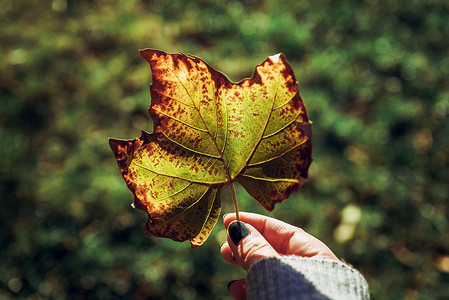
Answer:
x=237 y=134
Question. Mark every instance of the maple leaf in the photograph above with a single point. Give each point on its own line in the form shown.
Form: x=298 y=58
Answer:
x=210 y=132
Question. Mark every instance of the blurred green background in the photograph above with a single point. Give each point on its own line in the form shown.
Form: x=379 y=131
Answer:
x=374 y=77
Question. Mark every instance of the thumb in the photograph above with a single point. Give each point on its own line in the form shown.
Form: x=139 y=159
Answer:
x=247 y=244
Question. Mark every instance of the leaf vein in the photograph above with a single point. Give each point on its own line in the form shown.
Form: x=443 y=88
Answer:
x=175 y=99
x=182 y=122
x=176 y=193
x=271 y=179
x=144 y=181
x=199 y=112
x=185 y=209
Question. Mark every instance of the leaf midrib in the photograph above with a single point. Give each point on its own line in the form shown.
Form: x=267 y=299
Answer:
x=204 y=122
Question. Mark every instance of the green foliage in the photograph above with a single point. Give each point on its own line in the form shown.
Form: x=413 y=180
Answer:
x=373 y=75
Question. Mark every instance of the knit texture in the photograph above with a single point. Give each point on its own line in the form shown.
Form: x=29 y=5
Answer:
x=294 y=277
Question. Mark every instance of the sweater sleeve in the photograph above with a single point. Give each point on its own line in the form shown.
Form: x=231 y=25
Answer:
x=294 y=277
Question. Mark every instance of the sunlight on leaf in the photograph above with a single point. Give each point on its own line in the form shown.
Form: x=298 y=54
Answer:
x=208 y=133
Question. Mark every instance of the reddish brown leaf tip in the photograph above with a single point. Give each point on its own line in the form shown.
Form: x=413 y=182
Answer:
x=117 y=146
x=123 y=152
x=148 y=53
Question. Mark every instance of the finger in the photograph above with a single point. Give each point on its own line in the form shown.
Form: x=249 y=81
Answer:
x=247 y=244
x=227 y=254
x=285 y=238
x=267 y=226
x=237 y=288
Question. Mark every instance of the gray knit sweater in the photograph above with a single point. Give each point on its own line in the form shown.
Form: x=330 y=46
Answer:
x=293 y=277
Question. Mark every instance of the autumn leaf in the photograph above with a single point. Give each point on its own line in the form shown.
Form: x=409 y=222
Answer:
x=208 y=133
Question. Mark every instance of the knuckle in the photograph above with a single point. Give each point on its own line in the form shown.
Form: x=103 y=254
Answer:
x=254 y=250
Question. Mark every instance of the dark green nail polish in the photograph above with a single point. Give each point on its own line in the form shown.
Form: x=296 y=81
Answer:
x=237 y=231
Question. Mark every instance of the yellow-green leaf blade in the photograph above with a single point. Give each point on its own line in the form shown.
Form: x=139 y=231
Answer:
x=177 y=208
x=250 y=105
x=192 y=222
x=273 y=181
x=184 y=105
x=288 y=125
x=155 y=153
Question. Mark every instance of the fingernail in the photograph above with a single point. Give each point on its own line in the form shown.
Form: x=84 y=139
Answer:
x=237 y=231
x=224 y=216
x=230 y=282
x=221 y=245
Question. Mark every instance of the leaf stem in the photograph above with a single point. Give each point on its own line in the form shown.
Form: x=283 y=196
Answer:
x=234 y=199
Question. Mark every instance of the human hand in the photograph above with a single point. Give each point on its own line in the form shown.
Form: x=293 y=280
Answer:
x=256 y=237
